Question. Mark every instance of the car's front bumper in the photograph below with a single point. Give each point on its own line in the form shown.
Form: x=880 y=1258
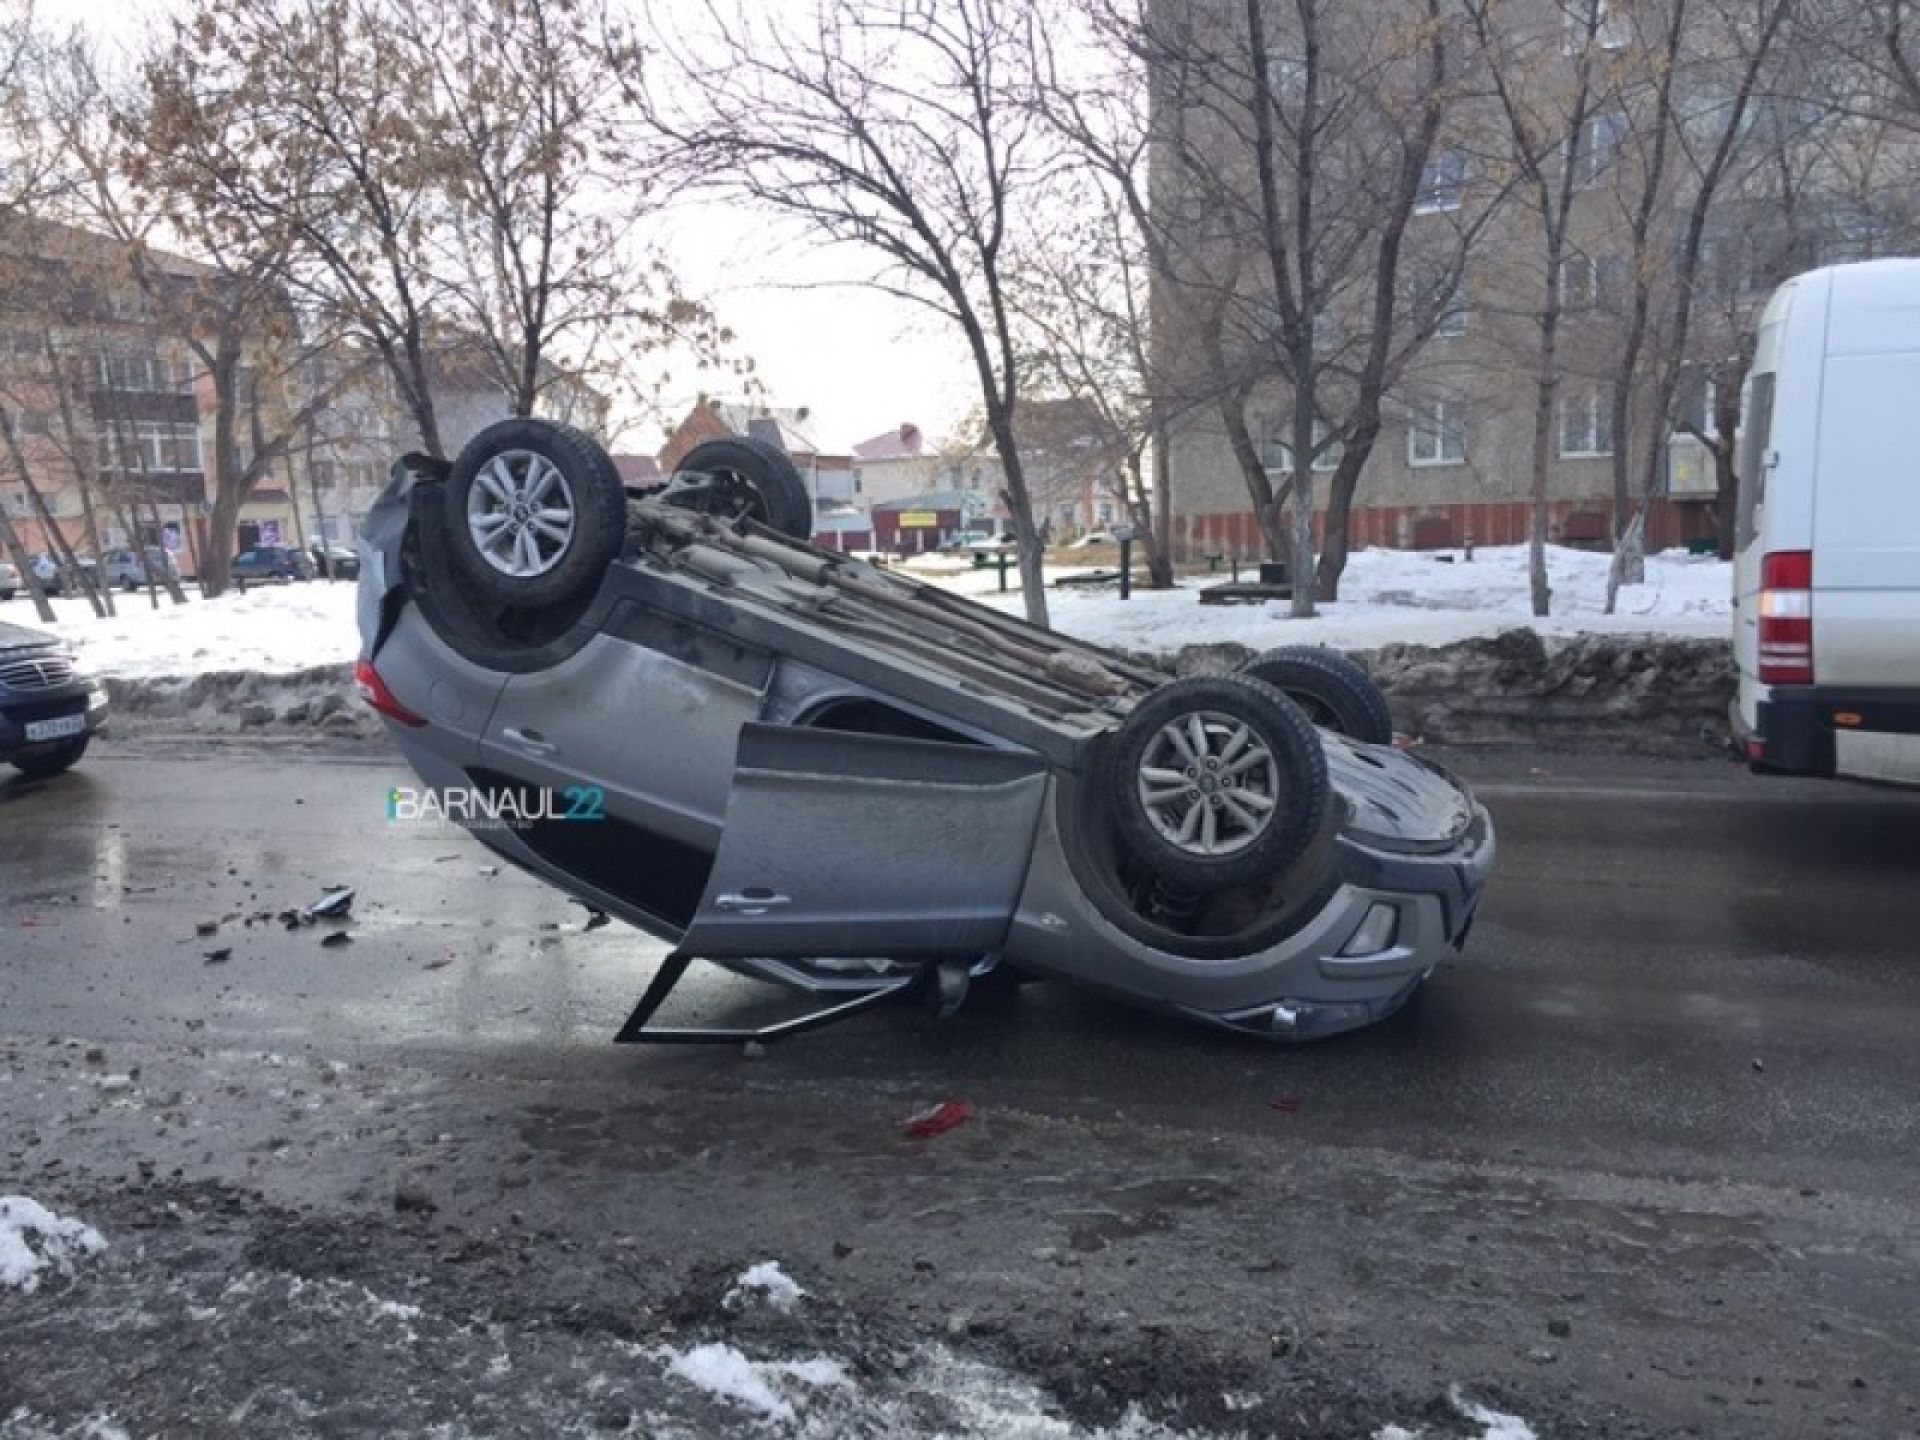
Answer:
x=21 y=708
x=1330 y=974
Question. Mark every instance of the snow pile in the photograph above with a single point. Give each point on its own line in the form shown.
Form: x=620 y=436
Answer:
x=767 y=1387
x=765 y=1281
x=271 y=629
x=33 y=1239
x=1405 y=596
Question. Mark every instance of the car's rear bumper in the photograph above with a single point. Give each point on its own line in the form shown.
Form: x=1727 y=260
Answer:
x=1866 y=733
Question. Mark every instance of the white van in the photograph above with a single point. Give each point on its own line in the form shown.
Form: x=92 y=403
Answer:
x=1827 y=559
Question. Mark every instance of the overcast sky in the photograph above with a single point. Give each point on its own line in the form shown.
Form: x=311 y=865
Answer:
x=862 y=361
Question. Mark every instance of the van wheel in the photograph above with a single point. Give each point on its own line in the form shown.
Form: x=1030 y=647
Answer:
x=744 y=478
x=535 y=511
x=1218 y=781
x=1334 y=691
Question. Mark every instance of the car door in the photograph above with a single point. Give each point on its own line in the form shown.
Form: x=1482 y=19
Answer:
x=640 y=721
x=863 y=845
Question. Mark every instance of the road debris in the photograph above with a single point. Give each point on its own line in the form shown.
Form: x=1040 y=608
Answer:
x=220 y=956
x=947 y=1115
x=333 y=905
x=333 y=940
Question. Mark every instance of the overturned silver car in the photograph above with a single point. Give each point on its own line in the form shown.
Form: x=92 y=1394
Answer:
x=822 y=773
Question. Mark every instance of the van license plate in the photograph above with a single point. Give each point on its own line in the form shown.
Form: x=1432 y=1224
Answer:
x=56 y=728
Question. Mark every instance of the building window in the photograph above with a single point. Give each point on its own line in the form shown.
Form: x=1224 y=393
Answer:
x=1437 y=433
x=1586 y=423
x=155 y=446
x=1694 y=405
x=1443 y=184
x=1277 y=454
x=1104 y=512
x=35 y=422
x=1599 y=146
x=1451 y=322
x=145 y=374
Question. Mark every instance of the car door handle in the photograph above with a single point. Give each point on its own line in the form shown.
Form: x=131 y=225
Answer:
x=753 y=902
x=532 y=742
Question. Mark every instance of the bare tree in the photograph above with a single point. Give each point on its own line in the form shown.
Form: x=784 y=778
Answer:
x=1083 y=299
x=1686 y=154
x=1297 y=144
x=1548 y=81
x=898 y=128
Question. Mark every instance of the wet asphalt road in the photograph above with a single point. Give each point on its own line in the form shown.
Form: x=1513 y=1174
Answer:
x=1644 y=1161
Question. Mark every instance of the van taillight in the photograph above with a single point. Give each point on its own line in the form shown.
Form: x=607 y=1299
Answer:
x=1786 y=618
x=374 y=691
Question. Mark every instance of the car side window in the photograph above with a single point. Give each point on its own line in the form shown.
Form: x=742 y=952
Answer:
x=1750 y=456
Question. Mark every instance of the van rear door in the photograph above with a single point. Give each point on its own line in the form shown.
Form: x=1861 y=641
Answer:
x=1866 y=562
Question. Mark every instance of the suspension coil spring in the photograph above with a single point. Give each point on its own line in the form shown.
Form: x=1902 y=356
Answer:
x=1173 y=907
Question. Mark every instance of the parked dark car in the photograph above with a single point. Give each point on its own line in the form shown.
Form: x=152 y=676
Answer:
x=270 y=562
x=48 y=711
x=834 y=777
x=334 y=562
x=9 y=580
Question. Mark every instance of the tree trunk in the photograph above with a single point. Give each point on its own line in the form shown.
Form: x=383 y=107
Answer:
x=1146 y=530
x=1300 y=539
x=17 y=553
x=1334 y=543
x=1163 y=507
x=1019 y=503
x=1266 y=505
x=1545 y=383
x=57 y=545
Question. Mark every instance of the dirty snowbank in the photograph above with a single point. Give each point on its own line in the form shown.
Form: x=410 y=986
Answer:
x=34 y=1241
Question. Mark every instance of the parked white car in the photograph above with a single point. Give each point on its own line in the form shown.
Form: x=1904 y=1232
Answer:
x=1827 y=559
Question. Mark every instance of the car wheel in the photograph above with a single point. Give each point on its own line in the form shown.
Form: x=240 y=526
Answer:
x=536 y=512
x=1334 y=691
x=752 y=480
x=51 y=762
x=1218 y=781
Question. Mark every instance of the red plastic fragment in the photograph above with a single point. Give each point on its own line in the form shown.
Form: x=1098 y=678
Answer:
x=1286 y=1104
x=947 y=1115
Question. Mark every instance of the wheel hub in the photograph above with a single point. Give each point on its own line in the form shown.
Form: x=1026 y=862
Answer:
x=1209 y=783
x=520 y=514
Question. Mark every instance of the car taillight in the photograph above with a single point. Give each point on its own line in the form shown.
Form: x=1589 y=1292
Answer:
x=374 y=691
x=1786 y=618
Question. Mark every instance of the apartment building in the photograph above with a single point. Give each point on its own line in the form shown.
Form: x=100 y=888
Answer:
x=1452 y=464
x=110 y=410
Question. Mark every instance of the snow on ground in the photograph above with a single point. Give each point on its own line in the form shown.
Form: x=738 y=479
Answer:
x=34 y=1240
x=1394 y=596
x=1387 y=596
x=272 y=629
x=765 y=1281
x=767 y=1387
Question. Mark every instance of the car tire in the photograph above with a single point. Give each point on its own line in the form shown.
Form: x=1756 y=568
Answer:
x=778 y=496
x=1334 y=691
x=1218 y=781
x=52 y=762
x=508 y=536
